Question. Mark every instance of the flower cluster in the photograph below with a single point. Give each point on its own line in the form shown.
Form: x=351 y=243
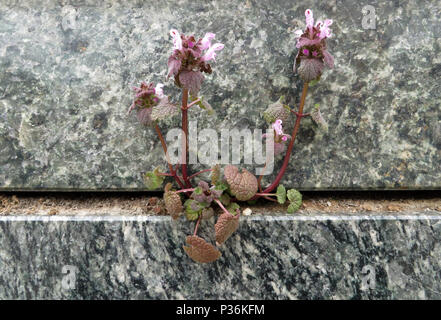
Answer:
x=313 y=53
x=190 y=59
x=279 y=137
x=150 y=103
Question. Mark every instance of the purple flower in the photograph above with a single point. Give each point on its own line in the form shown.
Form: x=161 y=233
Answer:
x=211 y=52
x=177 y=40
x=313 y=39
x=147 y=96
x=206 y=41
x=279 y=137
x=190 y=58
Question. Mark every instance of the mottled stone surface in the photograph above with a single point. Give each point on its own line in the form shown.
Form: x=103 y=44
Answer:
x=66 y=68
x=269 y=257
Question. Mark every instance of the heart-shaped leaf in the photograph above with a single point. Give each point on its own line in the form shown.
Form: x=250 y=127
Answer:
x=173 y=204
x=225 y=226
x=295 y=199
x=164 y=110
x=153 y=180
x=281 y=194
x=200 y=250
x=243 y=184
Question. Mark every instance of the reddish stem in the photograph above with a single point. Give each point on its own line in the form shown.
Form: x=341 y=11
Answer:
x=198 y=173
x=291 y=143
x=185 y=190
x=222 y=207
x=192 y=104
x=164 y=146
x=185 y=140
x=197 y=225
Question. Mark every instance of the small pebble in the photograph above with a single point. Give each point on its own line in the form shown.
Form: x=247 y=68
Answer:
x=247 y=212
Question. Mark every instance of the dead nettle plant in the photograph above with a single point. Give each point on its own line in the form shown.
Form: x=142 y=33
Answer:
x=187 y=65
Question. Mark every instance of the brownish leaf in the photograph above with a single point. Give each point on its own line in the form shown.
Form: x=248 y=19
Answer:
x=200 y=250
x=242 y=185
x=225 y=226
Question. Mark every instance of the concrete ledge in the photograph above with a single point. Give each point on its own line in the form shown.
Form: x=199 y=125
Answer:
x=270 y=257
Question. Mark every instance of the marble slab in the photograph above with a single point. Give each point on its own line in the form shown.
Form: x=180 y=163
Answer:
x=66 y=69
x=269 y=257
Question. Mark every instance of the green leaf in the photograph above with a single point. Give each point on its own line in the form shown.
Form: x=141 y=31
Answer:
x=233 y=207
x=281 y=194
x=198 y=190
x=313 y=82
x=153 y=180
x=293 y=207
x=295 y=199
x=225 y=199
x=190 y=211
x=221 y=186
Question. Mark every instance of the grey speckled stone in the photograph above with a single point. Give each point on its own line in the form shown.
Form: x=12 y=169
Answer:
x=66 y=68
x=271 y=257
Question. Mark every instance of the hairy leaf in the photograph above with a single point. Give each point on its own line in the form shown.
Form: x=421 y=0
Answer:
x=207 y=213
x=191 y=80
x=192 y=209
x=295 y=199
x=173 y=204
x=328 y=58
x=200 y=250
x=164 y=110
x=144 y=116
x=317 y=117
x=215 y=174
x=233 y=208
x=310 y=69
x=281 y=194
x=225 y=226
x=174 y=65
x=277 y=110
x=242 y=185
x=153 y=180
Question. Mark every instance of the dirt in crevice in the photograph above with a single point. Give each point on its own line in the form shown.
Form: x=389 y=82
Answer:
x=143 y=204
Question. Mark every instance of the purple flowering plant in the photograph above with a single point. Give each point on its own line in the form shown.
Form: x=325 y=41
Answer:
x=188 y=64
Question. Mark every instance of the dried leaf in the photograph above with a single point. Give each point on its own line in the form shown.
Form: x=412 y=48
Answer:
x=200 y=250
x=191 y=80
x=225 y=226
x=242 y=185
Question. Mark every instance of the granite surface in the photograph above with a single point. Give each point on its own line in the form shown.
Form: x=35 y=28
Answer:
x=66 y=69
x=269 y=257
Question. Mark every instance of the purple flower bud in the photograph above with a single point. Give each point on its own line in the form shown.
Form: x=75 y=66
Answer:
x=306 y=52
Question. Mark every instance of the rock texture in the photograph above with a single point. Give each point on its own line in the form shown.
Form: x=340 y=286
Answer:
x=66 y=69
x=269 y=257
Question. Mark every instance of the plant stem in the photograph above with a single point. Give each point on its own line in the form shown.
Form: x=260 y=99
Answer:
x=185 y=190
x=197 y=225
x=185 y=140
x=198 y=173
x=291 y=143
x=164 y=146
x=193 y=103
x=222 y=207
